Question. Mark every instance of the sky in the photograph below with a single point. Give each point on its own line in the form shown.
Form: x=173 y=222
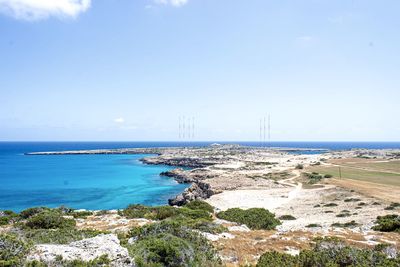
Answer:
x=128 y=70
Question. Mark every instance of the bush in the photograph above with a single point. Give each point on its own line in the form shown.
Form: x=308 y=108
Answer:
x=57 y=236
x=12 y=250
x=388 y=223
x=49 y=219
x=25 y=214
x=313 y=177
x=345 y=225
x=393 y=206
x=287 y=217
x=97 y=262
x=165 y=212
x=134 y=211
x=255 y=218
x=352 y=200
x=328 y=176
x=299 y=166
x=312 y=225
x=331 y=205
x=277 y=259
x=329 y=252
x=199 y=205
x=168 y=243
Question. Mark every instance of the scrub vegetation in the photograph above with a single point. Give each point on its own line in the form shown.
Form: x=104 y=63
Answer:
x=330 y=252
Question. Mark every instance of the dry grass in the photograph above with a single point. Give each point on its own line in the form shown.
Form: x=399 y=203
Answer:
x=376 y=178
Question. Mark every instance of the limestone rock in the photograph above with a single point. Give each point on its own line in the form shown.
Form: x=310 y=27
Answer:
x=86 y=250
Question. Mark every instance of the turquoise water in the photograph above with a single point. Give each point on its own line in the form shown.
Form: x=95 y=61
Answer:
x=101 y=181
x=87 y=181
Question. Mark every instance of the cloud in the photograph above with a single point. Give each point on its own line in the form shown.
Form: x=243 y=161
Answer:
x=119 y=120
x=305 y=41
x=42 y=9
x=175 y=3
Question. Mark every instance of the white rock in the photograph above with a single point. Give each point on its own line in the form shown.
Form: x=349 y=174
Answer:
x=86 y=250
x=241 y=228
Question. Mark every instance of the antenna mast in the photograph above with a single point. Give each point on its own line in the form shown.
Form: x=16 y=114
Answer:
x=183 y=128
x=192 y=127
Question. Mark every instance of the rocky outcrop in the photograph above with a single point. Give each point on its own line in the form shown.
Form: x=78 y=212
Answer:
x=86 y=250
x=198 y=190
x=179 y=161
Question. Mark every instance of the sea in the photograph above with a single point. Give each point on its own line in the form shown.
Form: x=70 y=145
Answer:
x=98 y=182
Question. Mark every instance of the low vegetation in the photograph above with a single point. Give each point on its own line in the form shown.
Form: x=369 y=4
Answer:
x=169 y=243
x=12 y=250
x=388 y=223
x=313 y=177
x=393 y=206
x=255 y=218
x=287 y=218
x=312 y=225
x=350 y=224
x=299 y=166
x=329 y=252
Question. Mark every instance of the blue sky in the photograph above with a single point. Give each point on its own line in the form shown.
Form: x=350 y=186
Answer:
x=127 y=70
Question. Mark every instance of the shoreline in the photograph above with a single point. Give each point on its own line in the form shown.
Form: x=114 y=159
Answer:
x=228 y=176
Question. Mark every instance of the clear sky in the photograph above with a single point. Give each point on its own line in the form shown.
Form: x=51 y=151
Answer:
x=127 y=69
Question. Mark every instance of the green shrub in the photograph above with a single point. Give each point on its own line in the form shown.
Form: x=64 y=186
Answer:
x=168 y=243
x=287 y=218
x=341 y=215
x=80 y=214
x=134 y=211
x=329 y=253
x=57 y=236
x=299 y=166
x=49 y=219
x=311 y=225
x=12 y=250
x=4 y=220
x=255 y=218
x=277 y=259
x=161 y=213
x=165 y=212
x=352 y=200
x=313 y=177
x=97 y=262
x=393 y=206
x=345 y=225
x=388 y=223
x=331 y=205
x=199 y=205
x=25 y=214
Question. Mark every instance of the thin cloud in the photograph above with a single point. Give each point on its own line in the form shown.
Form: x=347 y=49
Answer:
x=119 y=120
x=42 y=9
x=175 y=3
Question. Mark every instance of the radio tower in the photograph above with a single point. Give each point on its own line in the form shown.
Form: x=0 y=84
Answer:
x=192 y=127
x=179 y=127
x=189 y=127
x=183 y=128
x=264 y=133
x=269 y=128
x=260 y=131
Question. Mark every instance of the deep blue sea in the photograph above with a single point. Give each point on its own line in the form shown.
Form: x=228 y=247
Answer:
x=102 y=181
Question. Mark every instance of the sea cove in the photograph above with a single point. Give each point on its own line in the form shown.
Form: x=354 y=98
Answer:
x=84 y=182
